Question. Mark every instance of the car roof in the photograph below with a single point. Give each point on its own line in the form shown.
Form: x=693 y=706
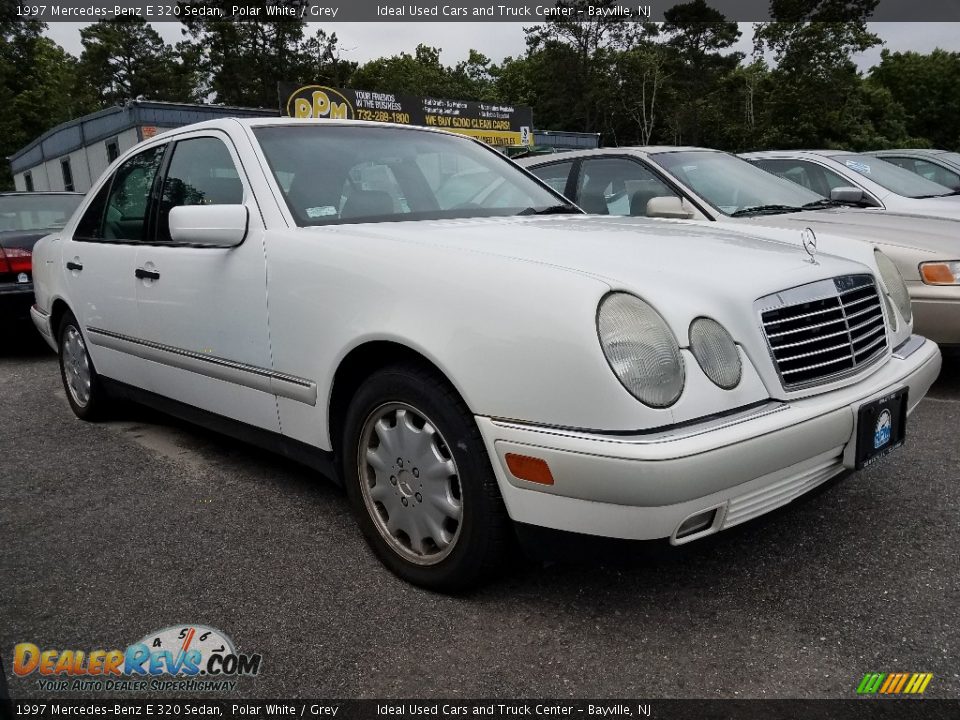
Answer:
x=233 y=122
x=624 y=150
x=21 y=193
x=793 y=153
x=910 y=151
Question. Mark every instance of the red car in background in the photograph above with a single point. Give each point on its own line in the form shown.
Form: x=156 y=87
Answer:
x=25 y=217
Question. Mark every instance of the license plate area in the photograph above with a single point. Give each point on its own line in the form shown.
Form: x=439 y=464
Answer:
x=881 y=427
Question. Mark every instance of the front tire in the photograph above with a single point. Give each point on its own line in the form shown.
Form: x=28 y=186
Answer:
x=419 y=478
x=85 y=392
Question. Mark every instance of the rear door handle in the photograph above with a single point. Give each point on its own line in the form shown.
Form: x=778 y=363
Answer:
x=146 y=274
x=71 y=265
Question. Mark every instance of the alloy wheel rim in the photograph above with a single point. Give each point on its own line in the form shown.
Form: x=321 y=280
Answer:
x=410 y=483
x=76 y=366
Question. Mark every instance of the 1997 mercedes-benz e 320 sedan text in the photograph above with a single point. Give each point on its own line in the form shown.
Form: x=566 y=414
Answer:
x=425 y=321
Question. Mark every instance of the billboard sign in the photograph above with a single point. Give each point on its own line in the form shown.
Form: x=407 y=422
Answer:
x=497 y=124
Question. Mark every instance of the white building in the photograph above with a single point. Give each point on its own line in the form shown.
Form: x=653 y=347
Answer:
x=72 y=156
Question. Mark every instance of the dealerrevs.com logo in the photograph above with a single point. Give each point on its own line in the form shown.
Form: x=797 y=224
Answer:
x=190 y=658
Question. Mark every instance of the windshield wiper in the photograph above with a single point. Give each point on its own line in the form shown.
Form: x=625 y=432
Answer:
x=564 y=209
x=927 y=197
x=826 y=203
x=766 y=210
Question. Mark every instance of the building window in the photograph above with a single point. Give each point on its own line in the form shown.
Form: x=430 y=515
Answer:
x=28 y=181
x=113 y=150
x=67 y=174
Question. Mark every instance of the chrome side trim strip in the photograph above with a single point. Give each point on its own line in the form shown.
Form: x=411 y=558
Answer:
x=662 y=435
x=908 y=347
x=263 y=379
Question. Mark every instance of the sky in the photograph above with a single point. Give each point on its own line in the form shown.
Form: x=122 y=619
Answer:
x=366 y=41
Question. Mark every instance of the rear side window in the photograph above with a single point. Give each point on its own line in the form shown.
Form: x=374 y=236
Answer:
x=555 y=175
x=201 y=172
x=126 y=212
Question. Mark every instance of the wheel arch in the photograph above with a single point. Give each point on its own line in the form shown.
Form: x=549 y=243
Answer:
x=58 y=309
x=359 y=364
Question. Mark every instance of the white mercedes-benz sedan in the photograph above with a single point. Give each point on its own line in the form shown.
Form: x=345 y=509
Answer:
x=419 y=318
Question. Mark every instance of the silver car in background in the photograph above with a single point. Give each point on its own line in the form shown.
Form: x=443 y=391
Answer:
x=939 y=166
x=840 y=175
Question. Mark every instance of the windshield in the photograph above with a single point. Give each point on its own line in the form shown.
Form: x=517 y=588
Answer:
x=24 y=212
x=893 y=178
x=332 y=174
x=730 y=184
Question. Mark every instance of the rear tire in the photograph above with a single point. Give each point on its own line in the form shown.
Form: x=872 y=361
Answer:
x=420 y=481
x=85 y=392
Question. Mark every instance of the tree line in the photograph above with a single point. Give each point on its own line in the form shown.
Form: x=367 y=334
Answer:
x=676 y=82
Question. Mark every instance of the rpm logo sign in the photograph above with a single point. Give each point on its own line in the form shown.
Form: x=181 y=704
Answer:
x=319 y=101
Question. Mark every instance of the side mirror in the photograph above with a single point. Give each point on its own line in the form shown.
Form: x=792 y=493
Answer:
x=668 y=206
x=209 y=225
x=847 y=195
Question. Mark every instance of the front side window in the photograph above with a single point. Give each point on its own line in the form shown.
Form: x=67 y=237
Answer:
x=201 y=172
x=732 y=185
x=126 y=212
x=618 y=186
x=349 y=174
x=891 y=177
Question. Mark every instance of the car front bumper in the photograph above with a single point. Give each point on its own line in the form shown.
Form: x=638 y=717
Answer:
x=728 y=469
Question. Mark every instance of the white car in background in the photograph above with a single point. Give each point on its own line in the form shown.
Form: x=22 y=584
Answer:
x=465 y=367
x=700 y=185
x=860 y=178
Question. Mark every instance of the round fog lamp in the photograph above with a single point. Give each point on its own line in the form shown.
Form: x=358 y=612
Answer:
x=717 y=353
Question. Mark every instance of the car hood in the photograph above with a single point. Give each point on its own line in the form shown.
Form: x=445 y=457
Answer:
x=937 y=235
x=627 y=253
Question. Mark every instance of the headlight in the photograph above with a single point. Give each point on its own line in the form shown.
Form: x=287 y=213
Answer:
x=896 y=287
x=717 y=353
x=941 y=273
x=891 y=315
x=640 y=348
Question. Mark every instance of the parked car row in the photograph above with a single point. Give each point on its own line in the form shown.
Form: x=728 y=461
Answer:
x=471 y=354
x=700 y=185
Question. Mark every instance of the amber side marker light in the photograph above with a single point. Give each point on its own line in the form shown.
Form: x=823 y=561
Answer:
x=529 y=468
x=941 y=273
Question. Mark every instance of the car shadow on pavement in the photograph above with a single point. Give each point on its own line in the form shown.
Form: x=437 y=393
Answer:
x=20 y=340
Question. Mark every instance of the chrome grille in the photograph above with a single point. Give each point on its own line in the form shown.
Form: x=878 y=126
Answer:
x=823 y=331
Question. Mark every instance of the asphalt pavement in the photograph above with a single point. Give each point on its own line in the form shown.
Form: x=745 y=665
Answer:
x=110 y=531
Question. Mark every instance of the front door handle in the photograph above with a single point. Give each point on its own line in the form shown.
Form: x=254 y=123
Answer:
x=146 y=274
x=71 y=265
